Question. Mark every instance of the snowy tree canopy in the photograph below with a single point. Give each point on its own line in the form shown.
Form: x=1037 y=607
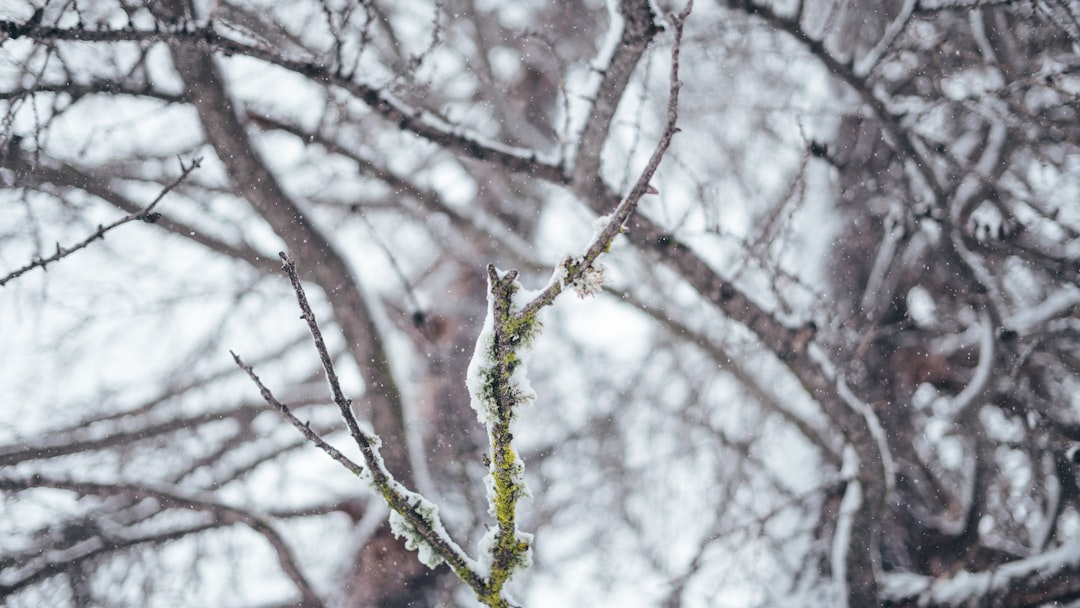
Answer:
x=825 y=349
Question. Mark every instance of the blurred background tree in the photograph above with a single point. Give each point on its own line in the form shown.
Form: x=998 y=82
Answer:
x=835 y=360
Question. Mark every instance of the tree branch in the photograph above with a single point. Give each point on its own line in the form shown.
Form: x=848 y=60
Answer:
x=304 y=427
x=420 y=122
x=147 y=215
x=222 y=514
x=1035 y=581
x=329 y=269
x=573 y=271
x=638 y=30
x=62 y=175
x=420 y=517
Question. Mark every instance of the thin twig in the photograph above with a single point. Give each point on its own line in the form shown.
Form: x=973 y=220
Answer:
x=146 y=215
x=221 y=513
x=303 y=427
x=363 y=441
x=397 y=497
x=579 y=267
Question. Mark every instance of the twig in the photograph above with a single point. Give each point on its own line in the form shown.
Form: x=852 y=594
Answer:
x=221 y=513
x=498 y=394
x=410 y=506
x=147 y=215
x=364 y=441
x=303 y=427
x=577 y=268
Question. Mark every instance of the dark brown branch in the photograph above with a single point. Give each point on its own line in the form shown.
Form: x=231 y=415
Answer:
x=222 y=514
x=392 y=109
x=639 y=29
x=101 y=86
x=147 y=215
x=303 y=427
x=321 y=256
x=397 y=497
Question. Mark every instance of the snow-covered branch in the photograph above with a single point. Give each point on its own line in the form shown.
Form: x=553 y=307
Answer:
x=1053 y=575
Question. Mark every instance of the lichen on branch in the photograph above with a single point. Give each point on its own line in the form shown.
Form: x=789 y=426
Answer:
x=499 y=388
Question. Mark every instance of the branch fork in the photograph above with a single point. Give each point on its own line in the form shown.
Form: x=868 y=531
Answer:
x=498 y=387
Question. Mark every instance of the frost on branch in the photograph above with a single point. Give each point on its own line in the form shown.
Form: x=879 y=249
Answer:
x=493 y=374
x=414 y=539
x=486 y=550
x=498 y=387
x=588 y=282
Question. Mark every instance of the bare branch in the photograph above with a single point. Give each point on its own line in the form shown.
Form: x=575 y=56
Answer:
x=344 y=405
x=638 y=30
x=222 y=514
x=418 y=121
x=419 y=515
x=574 y=270
x=303 y=427
x=306 y=241
x=46 y=171
x=147 y=215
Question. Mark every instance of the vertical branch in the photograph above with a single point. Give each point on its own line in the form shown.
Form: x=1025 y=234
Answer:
x=497 y=380
x=503 y=391
x=638 y=30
